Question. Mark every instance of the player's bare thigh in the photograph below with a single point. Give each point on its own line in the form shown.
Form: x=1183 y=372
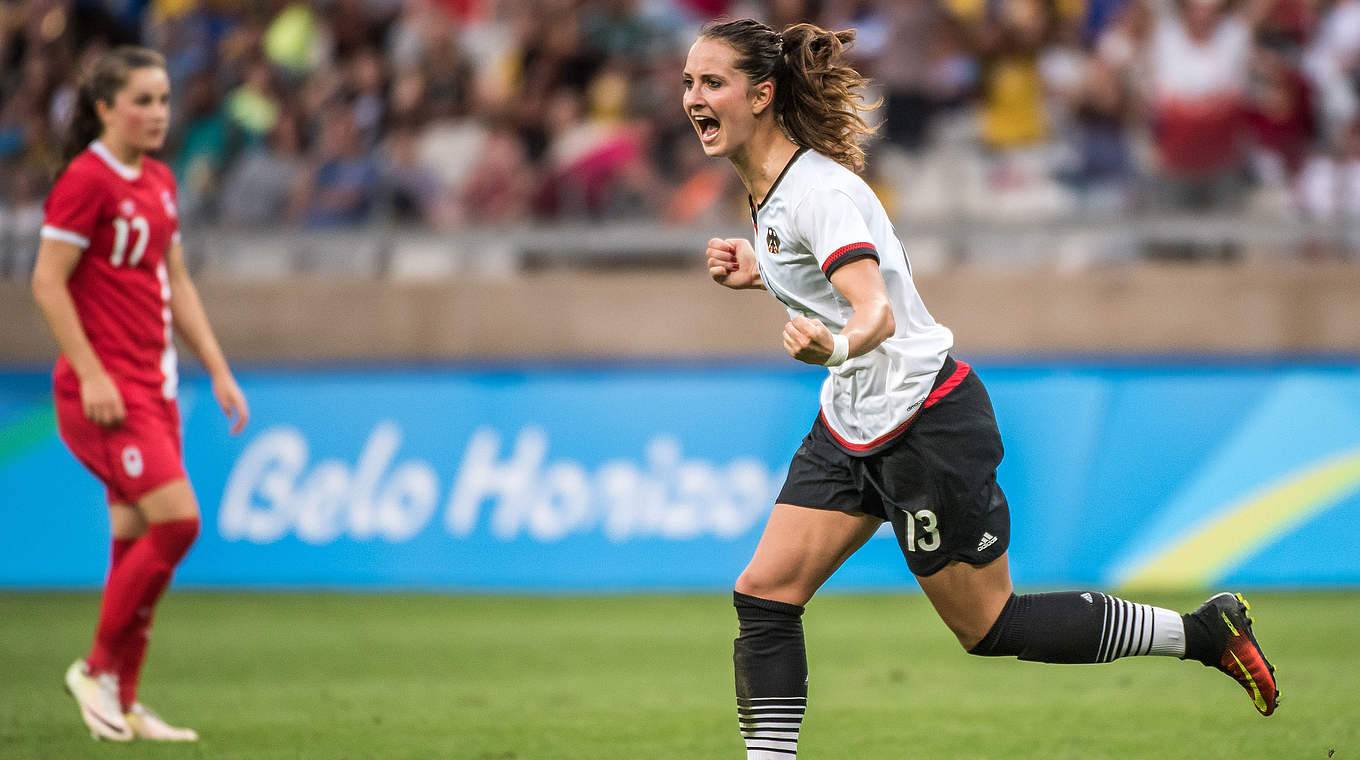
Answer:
x=126 y=521
x=800 y=549
x=173 y=501
x=969 y=598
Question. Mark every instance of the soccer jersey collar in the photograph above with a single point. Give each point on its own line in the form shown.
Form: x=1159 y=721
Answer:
x=775 y=185
x=128 y=173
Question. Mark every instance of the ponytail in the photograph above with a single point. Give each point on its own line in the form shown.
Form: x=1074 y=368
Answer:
x=817 y=103
x=101 y=83
x=85 y=125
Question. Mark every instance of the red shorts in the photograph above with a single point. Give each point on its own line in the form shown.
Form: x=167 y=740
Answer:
x=133 y=459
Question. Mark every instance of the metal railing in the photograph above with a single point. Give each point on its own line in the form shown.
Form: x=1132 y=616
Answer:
x=939 y=244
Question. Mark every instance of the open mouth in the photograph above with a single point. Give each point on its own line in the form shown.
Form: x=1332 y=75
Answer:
x=708 y=128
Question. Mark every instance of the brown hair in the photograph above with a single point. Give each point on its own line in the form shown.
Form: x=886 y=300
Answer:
x=816 y=98
x=101 y=83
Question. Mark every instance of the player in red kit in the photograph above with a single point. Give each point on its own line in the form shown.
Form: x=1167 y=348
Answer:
x=111 y=281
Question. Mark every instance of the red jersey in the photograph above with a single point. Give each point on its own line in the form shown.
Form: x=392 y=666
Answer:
x=125 y=219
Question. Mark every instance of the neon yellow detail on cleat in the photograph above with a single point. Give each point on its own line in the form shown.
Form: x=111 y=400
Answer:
x=1228 y=623
x=1256 y=697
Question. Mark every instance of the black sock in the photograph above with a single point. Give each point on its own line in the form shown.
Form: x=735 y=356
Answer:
x=1199 y=642
x=1076 y=627
x=771 y=671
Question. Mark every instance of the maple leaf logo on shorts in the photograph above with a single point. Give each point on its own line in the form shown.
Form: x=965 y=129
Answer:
x=132 y=462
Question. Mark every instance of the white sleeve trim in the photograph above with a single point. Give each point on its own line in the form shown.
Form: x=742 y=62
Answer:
x=66 y=236
x=175 y=238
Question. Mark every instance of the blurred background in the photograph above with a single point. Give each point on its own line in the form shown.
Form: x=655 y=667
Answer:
x=454 y=249
x=1015 y=133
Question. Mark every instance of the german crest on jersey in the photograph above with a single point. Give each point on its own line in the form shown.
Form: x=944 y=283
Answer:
x=772 y=242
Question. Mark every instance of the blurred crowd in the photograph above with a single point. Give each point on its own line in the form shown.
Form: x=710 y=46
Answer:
x=445 y=113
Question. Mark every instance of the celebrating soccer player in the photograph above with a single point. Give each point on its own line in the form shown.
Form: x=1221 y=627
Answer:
x=110 y=279
x=906 y=432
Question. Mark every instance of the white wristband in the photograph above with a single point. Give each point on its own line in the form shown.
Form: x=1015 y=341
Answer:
x=840 y=351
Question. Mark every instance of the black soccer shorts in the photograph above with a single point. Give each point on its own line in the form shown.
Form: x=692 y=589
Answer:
x=936 y=482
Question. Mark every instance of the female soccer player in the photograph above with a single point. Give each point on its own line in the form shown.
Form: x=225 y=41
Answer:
x=906 y=432
x=111 y=281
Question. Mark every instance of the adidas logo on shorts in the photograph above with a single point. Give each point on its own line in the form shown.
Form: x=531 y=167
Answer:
x=987 y=540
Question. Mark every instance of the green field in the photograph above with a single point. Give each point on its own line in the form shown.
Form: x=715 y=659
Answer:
x=510 y=678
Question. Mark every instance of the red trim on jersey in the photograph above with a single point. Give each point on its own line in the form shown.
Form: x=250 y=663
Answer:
x=879 y=441
x=960 y=373
x=843 y=250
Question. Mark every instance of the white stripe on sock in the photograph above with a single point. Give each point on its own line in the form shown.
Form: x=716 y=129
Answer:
x=1132 y=630
x=769 y=726
x=1168 y=633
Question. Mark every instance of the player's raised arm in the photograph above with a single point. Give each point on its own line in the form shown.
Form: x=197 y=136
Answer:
x=191 y=322
x=99 y=395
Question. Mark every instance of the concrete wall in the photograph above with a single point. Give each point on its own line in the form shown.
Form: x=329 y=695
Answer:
x=1135 y=310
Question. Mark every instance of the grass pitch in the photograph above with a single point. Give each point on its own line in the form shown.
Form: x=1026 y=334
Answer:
x=512 y=678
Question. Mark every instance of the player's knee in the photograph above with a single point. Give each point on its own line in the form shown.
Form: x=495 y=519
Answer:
x=969 y=633
x=171 y=540
x=969 y=639
x=193 y=528
x=972 y=622
x=1002 y=637
x=753 y=582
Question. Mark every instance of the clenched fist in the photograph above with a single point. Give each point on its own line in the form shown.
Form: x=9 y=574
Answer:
x=808 y=340
x=732 y=263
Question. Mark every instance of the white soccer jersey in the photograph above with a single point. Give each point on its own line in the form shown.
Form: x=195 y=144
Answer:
x=817 y=217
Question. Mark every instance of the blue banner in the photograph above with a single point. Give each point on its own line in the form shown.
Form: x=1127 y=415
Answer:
x=660 y=477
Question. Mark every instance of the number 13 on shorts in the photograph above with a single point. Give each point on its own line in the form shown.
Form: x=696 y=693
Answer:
x=928 y=530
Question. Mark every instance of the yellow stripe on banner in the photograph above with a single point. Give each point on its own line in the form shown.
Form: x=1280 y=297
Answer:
x=1198 y=558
